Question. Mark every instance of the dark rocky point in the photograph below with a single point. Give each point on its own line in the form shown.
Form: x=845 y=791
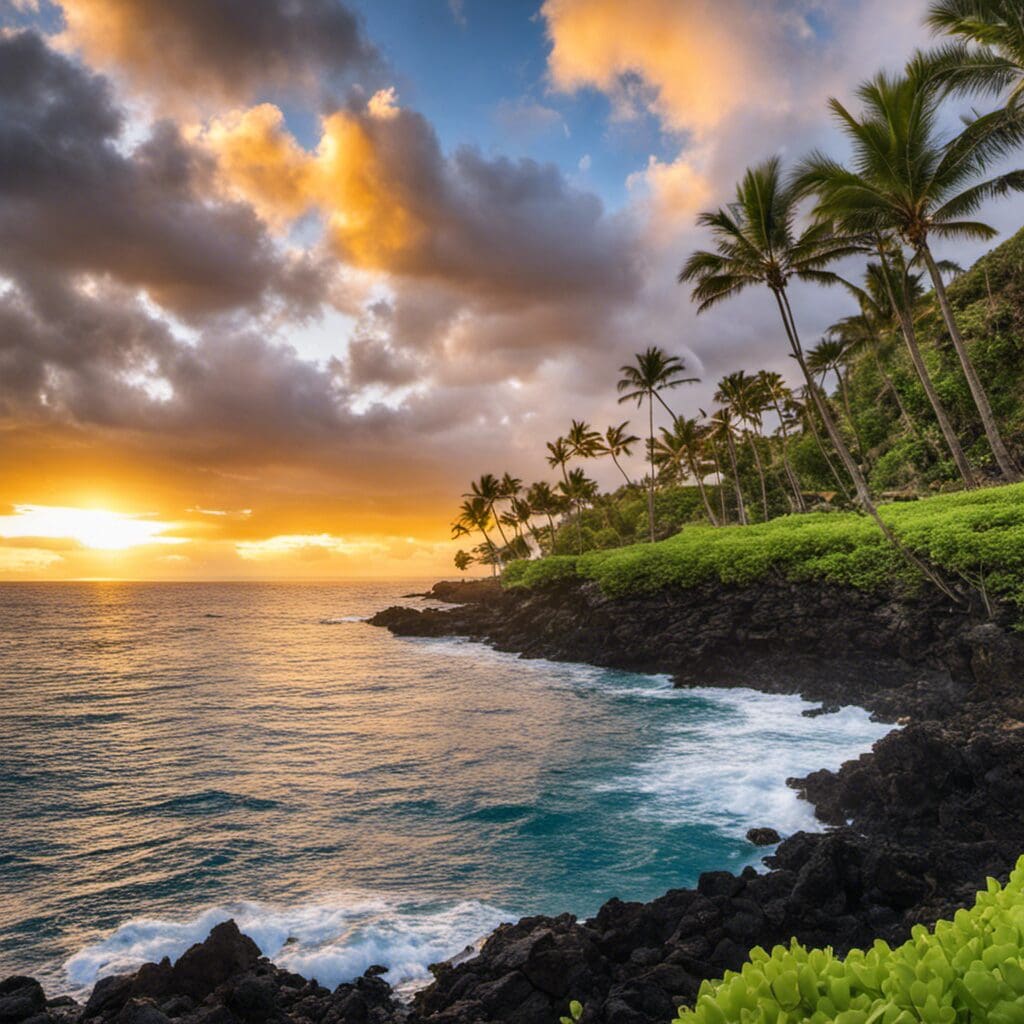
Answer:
x=910 y=830
x=763 y=837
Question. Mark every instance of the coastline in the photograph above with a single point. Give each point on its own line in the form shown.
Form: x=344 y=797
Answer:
x=918 y=822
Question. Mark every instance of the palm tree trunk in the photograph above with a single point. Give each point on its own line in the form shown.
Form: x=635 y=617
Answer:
x=730 y=445
x=702 y=489
x=650 y=460
x=890 y=386
x=910 y=338
x=794 y=483
x=629 y=483
x=720 y=479
x=760 y=473
x=859 y=483
x=848 y=409
x=812 y=422
x=995 y=440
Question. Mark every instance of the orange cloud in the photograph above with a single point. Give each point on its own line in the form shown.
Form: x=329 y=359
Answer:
x=693 y=56
x=347 y=178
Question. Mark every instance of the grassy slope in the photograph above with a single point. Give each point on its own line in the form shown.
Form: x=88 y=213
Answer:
x=977 y=535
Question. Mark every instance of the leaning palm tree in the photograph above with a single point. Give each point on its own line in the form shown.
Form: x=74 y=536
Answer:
x=986 y=56
x=831 y=355
x=905 y=178
x=757 y=243
x=579 y=491
x=683 y=447
x=650 y=373
x=545 y=502
x=559 y=455
x=740 y=394
x=489 y=488
x=618 y=441
x=475 y=514
x=584 y=442
x=892 y=289
x=778 y=393
x=723 y=426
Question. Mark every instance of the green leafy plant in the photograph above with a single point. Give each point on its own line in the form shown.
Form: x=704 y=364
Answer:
x=575 y=1013
x=969 y=970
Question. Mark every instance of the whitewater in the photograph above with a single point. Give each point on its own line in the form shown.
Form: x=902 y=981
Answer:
x=175 y=754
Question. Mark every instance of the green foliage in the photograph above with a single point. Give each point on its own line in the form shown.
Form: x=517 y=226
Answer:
x=575 y=1013
x=976 y=535
x=966 y=971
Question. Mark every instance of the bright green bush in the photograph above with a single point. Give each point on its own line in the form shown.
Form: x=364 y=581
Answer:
x=977 y=536
x=967 y=971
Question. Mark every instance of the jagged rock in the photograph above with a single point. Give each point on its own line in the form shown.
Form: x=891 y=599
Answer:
x=763 y=836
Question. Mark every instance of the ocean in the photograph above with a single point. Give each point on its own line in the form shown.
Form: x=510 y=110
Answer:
x=175 y=754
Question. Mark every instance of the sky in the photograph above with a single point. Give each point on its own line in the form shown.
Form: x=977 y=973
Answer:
x=278 y=278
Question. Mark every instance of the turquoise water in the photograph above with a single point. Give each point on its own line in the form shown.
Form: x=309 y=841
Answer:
x=171 y=755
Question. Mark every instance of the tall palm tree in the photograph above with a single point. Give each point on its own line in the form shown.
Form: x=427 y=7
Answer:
x=740 y=394
x=618 y=441
x=559 y=455
x=544 y=502
x=907 y=179
x=805 y=410
x=831 y=355
x=757 y=244
x=712 y=442
x=893 y=289
x=778 y=394
x=578 y=491
x=986 y=55
x=475 y=514
x=683 y=446
x=723 y=425
x=489 y=488
x=651 y=372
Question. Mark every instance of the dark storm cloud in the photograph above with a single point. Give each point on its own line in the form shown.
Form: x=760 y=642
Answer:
x=73 y=200
x=234 y=49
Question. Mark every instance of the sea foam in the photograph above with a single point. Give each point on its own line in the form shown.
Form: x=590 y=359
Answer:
x=332 y=940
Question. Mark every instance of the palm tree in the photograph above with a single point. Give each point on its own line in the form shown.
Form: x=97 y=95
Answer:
x=986 y=55
x=830 y=355
x=757 y=244
x=544 y=502
x=489 y=488
x=723 y=424
x=463 y=560
x=651 y=372
x=578 y=491
x=618 y=441
x=804 y=408
x=778 y=394
x=893 y=289
x=684 y=444
x=475 y=514
x=583 y=441
x=559 y=454
x=742 y=395
x=907 y=180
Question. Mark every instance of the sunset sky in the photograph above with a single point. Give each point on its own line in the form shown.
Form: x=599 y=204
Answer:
x=278 y=277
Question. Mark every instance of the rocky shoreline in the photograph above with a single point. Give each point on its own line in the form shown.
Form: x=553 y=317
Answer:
x=913 y=827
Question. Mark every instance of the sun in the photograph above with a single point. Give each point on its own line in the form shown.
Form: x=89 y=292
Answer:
x=95 y=528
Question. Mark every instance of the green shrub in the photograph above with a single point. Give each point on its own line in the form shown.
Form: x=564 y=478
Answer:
x=966 y=971
x=977 y=536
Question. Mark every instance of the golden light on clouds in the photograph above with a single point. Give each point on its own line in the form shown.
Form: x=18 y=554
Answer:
x=92 y=528
x=345 y=178
x=689 y=55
